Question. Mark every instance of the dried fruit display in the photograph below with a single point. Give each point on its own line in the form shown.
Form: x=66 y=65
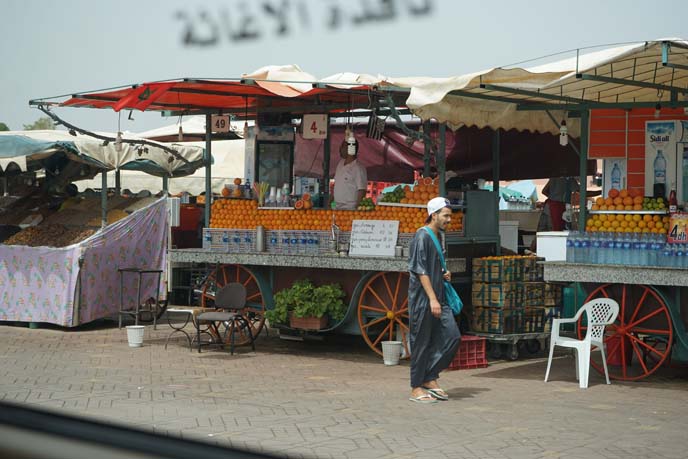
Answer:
x=49 y=236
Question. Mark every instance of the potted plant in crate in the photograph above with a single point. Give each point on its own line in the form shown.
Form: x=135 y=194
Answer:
x=308 y=307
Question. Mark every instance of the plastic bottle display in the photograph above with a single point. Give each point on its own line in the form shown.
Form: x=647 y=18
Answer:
x=659 y=166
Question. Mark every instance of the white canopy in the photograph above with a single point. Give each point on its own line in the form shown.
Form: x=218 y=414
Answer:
x=18 y=146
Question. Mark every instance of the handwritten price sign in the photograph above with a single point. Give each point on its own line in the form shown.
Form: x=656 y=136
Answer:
x=314 y=126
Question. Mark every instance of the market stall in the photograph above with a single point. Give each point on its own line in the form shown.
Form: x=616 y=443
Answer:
x=630 y=101
x=61 y=264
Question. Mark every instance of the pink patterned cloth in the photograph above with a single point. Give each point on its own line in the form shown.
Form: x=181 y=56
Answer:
x=40 y=284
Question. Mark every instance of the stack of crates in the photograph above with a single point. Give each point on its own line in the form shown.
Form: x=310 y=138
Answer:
x=497 y=295
x=509 y=295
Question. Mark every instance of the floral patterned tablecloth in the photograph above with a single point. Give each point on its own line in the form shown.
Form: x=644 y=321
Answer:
x=40 y=284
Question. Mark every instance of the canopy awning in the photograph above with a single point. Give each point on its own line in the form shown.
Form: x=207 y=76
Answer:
x=271 y=89
x=18 y=147
x=636 y=75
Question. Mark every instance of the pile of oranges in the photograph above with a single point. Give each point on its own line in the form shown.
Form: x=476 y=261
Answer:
x=424 y=190
x=625 y=201
x=620 y=200
x=628 y=223
x=244 y=214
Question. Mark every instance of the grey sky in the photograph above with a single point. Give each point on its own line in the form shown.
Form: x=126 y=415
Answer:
x=51 y=48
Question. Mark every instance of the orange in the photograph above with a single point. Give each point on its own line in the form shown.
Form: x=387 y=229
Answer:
x=613 y=193
x=623 y=193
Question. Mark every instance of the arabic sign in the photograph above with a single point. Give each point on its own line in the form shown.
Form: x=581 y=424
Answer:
x=244 y=20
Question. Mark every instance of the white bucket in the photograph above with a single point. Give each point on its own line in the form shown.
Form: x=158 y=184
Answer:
x=135 y=335
x=391 y=352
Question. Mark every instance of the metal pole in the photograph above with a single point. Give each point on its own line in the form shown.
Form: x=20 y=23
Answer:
x=441 y=159
x=495 y=183
x=584 y=128
x=165 y=184
x=326 y=168
x=103 y=199
x=208 y=161
x=427 y=149
x=118 y=182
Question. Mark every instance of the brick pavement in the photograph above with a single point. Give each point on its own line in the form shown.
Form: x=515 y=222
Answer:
x=336 y=399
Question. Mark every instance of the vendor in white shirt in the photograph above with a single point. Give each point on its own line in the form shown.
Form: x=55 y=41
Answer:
x=350 y=178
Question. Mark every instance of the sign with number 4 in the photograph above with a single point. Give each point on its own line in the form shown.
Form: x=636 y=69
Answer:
x=314 y=126
x=220 y=123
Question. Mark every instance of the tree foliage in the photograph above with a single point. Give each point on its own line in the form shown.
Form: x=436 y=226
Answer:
x=44 y=123
x=4 y=127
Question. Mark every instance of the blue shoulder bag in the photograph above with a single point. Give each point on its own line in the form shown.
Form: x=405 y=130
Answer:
x=450 y=296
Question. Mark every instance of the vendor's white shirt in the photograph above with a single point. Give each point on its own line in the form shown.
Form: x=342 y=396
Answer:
x=348 y=179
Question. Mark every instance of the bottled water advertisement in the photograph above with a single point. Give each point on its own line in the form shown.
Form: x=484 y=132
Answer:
x=614 y=175
x=661 y=154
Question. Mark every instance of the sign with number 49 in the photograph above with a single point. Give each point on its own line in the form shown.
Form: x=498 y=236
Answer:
x=220 y=123
x=314 y=126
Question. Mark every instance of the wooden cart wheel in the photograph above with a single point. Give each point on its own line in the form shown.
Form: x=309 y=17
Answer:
x=639 y=341
x=383 y=310
x=255 y=298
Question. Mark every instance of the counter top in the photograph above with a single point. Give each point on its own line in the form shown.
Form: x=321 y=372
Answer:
x=324 y=261
x=559 y=271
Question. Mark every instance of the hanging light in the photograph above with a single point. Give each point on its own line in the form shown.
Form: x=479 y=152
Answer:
x=563 y=134
x=658 y=110
x=118 y=141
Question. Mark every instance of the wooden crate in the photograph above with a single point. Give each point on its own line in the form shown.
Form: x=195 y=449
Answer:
x=553 y=295
x=496 y=320
x=533 y=294
x=498 y=269
x=506 y=295
x=539 y=319
x=533 y=270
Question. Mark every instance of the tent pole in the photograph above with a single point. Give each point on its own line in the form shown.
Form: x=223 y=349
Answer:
x=118 y=182
x=495 y=184
x=583 y=157
x=165 y=184
x=441 y=159
x=208 y=162
x=426 y=148
x=325 y=190
x=103 y=199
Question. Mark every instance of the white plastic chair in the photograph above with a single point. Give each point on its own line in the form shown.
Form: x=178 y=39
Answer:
x=600 y=313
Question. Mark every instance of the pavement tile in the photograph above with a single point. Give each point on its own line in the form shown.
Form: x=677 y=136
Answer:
x=336 y=399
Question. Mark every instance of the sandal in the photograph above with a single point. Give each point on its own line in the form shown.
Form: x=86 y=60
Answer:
x=424 y=398
x=437 y=393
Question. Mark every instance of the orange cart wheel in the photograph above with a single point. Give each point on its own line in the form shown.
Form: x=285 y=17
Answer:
x=639 y=341
x=383 y=310
x=255 y=298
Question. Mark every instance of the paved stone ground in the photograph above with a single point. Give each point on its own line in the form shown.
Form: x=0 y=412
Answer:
x=337 y=399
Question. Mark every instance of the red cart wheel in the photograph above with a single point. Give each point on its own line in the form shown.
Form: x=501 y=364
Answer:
x=383 y=310
x=255 y=302
x=639 y=341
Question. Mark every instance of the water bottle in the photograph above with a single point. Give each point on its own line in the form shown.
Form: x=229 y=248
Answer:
x=602 y=257
x=577 y=252
x=616 y=177
x=659 y=166
x=596 y=248
x=225 y=241
x=617 y=253
x=679 y=255
x=207 y=238
x=642 y=250
x=656 y=252
x=585 y=247
x=666 y=258
x=570 y=254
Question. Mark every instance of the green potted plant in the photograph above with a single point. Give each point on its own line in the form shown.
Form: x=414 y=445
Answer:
x=308 y=307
